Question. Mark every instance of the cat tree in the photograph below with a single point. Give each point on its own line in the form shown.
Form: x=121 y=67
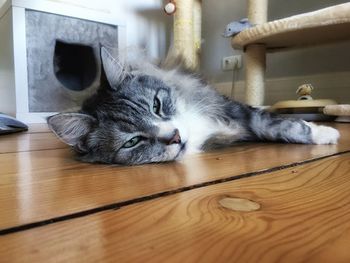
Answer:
x=314 y=28
x=187 y=30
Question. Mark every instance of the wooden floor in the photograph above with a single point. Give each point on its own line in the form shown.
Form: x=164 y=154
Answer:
x=249 y=203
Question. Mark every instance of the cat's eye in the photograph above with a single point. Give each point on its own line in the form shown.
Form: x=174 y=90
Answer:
x=132 y=142
x=156 y=106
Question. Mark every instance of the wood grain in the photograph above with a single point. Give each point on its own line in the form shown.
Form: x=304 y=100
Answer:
x=44 y=184
x=22 y=142
x=304 y=217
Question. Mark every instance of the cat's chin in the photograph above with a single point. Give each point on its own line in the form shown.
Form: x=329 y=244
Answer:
x=173 y=152
x=181 y=152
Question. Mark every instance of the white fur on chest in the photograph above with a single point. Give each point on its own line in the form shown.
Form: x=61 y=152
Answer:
x=195 y=128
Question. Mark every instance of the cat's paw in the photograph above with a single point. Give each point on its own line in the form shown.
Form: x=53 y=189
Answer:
x=322 y=134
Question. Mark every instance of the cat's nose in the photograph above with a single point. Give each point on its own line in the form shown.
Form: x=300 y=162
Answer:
x=176 y=138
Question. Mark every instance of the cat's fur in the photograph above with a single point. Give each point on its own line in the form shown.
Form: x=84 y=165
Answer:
x=168 y=114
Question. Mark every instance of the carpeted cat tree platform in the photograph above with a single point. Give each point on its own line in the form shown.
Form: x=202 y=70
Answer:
x=326 y=25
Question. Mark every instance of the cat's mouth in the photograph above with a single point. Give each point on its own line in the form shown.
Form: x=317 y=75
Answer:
x=181 y=151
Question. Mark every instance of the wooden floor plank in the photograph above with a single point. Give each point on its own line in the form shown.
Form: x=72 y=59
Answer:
x=304 y=216
x=24 y=142
x=42 y=185
x=38 y=137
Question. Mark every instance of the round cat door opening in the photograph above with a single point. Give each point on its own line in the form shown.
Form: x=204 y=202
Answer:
x=75 y=65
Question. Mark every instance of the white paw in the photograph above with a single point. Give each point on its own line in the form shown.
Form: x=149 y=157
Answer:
x=322 y=134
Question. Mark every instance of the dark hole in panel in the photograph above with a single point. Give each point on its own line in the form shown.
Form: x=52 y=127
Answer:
x=74 y=65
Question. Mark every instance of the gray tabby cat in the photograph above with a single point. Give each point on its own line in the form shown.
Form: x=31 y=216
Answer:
x=144 y=114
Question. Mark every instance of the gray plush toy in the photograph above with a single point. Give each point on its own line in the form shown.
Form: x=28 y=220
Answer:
x=236 y=27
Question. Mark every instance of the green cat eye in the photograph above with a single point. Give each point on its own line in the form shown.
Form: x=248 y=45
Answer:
x=132 y=142
x=156 y=105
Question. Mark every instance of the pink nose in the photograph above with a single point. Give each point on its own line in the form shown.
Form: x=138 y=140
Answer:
x=176 y=138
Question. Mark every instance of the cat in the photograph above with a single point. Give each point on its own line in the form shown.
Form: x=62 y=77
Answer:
x=144 y=114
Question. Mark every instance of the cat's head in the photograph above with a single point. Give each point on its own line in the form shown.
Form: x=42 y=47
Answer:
x=128 y=121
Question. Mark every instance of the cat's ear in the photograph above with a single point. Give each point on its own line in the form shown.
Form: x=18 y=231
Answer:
x=113 y=69
x=71 y=127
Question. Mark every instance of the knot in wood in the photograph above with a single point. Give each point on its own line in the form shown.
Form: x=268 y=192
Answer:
x=239 y=204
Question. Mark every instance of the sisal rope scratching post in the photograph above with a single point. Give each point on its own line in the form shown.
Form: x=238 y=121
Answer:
x=183 y=31
x=187 y=31
x=197 y=31
x=255 y=56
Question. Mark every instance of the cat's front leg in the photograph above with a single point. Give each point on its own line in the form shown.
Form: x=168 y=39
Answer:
x=267 y=126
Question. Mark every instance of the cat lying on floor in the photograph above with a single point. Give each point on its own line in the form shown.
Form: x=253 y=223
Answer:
x=144 y=114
